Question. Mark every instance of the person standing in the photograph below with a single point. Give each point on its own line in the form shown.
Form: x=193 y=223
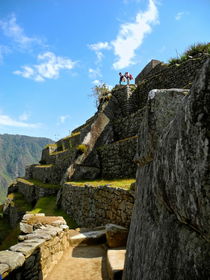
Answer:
x=127 y=76
x=122 y=78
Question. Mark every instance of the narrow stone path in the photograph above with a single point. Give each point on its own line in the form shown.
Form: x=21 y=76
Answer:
x=81 y=263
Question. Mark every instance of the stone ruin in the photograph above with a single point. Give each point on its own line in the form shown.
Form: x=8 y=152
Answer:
x=158 y=132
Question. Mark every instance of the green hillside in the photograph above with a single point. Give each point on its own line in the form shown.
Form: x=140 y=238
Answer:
x=17 y=151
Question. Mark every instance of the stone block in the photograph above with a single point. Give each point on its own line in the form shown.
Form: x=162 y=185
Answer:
x=115 y=263
x=116 y=235
x=12 y=259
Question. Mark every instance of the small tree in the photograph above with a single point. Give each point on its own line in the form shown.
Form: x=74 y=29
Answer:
x=100 y=92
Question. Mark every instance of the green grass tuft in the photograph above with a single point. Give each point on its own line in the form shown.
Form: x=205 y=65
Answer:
x=117 y=183
x=38 y=183
x=47 y=205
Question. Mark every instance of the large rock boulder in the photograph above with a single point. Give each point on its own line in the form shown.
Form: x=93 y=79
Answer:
x=169 y=236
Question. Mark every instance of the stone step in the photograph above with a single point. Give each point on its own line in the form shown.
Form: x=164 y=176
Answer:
x=88 y=238
x=115 y=263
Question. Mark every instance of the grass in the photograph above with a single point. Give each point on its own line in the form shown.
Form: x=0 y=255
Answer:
x=72 y=135
x=117 y=183
x=44 y=165
x=37 y=183
x=47 y=205
x=192 y=51
x=50 y=145
x=58 y=152
x=19 y=202
x=9 y=235
x=82 y=148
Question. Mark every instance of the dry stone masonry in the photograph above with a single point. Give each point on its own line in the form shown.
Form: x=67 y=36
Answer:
x=170 y=229
x=42 y=245
x=162 y=127
x=94 y=206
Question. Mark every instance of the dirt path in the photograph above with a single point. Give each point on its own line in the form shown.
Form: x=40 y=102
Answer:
x=81 y=263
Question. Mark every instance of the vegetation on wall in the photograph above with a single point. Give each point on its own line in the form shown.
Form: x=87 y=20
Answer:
x=193 y=51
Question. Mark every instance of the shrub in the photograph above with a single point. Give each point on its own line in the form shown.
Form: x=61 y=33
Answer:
x=82 y=148
x=100 y=92
x=192 y=51
x=196 y=49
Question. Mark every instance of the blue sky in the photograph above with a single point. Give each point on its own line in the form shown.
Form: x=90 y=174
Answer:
x=53 y=52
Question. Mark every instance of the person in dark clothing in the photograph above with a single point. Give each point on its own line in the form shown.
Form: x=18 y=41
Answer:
x=122 y=78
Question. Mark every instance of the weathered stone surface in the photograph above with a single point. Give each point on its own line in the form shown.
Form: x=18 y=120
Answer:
x=116 y=235
x=160 y=110
x=170 y=229
x=88 y=238
x=4 y=269
x=41 y=250
x=115 y=263
x=12 y=259
x=27 y=247
x=90 y=206
x=26 y=228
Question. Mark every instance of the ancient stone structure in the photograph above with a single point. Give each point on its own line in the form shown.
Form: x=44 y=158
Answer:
x=40 y=248
x=170 y=229
x=162 y=125
x=94 y=206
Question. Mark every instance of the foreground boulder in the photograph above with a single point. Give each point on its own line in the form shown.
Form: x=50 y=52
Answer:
x=169 y=236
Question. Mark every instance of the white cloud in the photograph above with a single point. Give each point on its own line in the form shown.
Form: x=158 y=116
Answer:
x=96 y=82
x=48 y=69
x=8 y=121
x=94 y=73
x=179 y=15
x=3 y=51
x=131 y=36
x=98 y=47
x=24 y=117
x=12 y=30
x=62 y=119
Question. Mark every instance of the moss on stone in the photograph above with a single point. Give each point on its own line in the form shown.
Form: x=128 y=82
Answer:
x=47 y=205
x=117 y=183
x=38 y=183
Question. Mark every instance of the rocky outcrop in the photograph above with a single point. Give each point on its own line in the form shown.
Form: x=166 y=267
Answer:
x=40 y=248
x=169 y=236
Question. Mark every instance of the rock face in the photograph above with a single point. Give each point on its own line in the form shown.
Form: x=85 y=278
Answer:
x=169 y=236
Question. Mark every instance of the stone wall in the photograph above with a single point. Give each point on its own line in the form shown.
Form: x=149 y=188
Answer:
x=161 y=77
x=35 y=256
x=95 y=206
x=127 y=126
x=170 y=229
x=117 y=159
x=147 y=69
x=32 y=191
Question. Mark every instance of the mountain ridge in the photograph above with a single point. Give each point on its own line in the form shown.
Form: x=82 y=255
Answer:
x=17 y=151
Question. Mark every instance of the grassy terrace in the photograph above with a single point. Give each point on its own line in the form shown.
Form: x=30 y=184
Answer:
x=19 y=202
x=33 y=182
x=117 y=183
x=47 y=205
x=44 y=165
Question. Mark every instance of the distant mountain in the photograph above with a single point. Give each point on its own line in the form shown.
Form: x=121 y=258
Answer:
x=17 y=151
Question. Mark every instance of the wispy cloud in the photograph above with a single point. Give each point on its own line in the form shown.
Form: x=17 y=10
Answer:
x=179 y=15
x=131 y=35
x=94 y=73
x=98 y=47
x=3 y=51
x=49 y=68
x=24 y=116
x=15 y=32
x=62 y=119
x=96 y=82
x=8 y=121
